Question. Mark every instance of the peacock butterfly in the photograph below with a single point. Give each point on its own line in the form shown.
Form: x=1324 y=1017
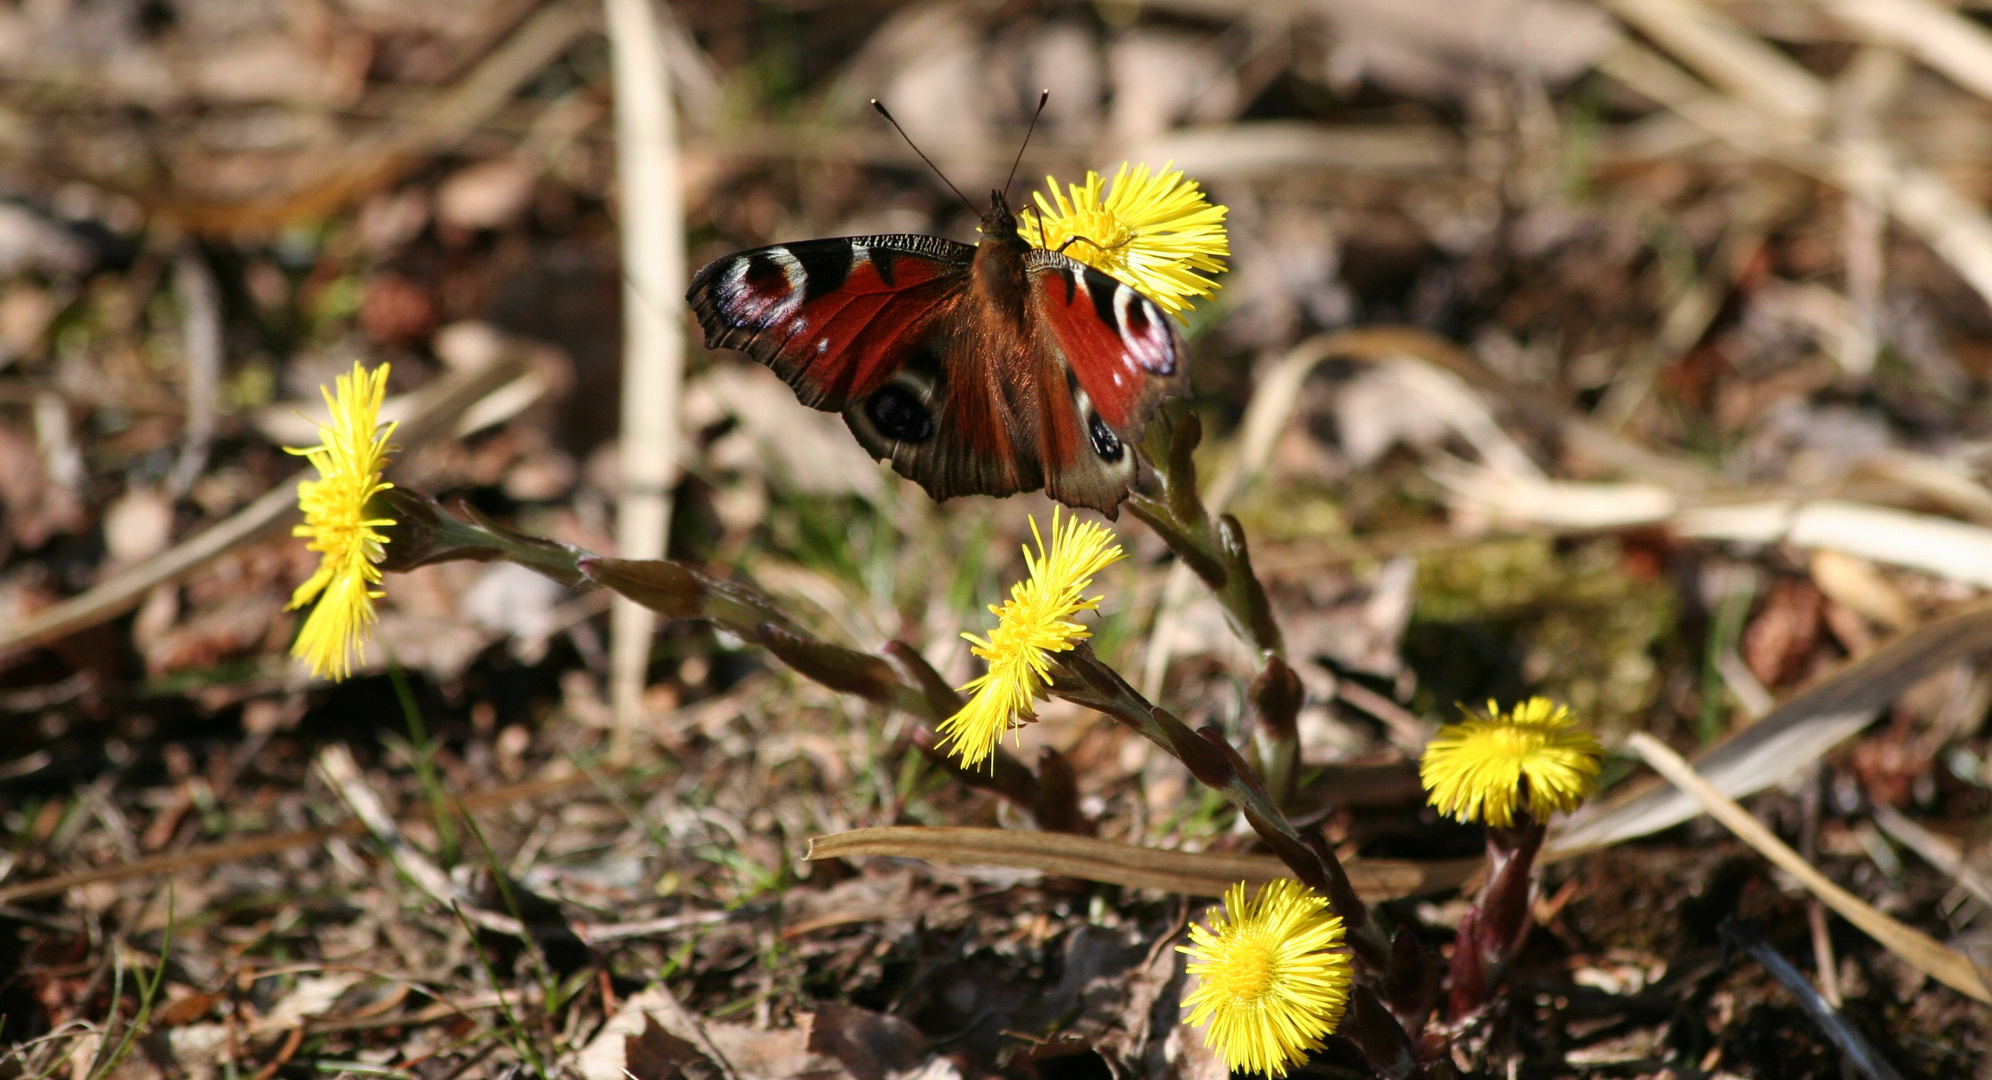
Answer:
x=977 y=370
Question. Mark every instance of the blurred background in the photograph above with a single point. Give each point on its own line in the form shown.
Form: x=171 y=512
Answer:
x=1657 y=383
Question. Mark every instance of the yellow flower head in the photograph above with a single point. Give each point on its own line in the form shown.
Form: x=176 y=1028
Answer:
x=349 y=463
x=1483 y=768
x=1034 y=623
x=1269 y=980
x=1154 y=233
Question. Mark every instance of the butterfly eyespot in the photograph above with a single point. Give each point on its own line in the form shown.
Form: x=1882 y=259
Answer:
x=1105 y=442
x=898 y=415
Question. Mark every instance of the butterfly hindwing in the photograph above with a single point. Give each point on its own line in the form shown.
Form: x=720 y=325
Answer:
x=982 y=437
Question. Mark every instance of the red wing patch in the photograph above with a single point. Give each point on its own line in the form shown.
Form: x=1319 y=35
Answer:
x=1121 y=347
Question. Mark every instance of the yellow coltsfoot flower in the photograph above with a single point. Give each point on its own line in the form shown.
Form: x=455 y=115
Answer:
x=1152 y=232
x=1034 y=623
x=349 y=463
x=1271 y=982
x=1535 y=757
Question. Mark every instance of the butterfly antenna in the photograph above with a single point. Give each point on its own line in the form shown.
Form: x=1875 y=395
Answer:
x=1043 y=96
x=876 y=104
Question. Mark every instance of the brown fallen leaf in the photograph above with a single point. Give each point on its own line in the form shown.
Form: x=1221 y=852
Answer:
x=871 y=1045
x=656 y=1054
x=1780 y=639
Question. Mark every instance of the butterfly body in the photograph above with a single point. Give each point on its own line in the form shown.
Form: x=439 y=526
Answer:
x=976 y=370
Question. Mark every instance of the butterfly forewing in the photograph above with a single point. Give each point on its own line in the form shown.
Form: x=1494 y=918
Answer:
x=834 y=318
x=1123 y=349
x=1118 y=356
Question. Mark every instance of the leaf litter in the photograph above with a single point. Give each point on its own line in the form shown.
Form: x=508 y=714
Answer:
x=1730 y=427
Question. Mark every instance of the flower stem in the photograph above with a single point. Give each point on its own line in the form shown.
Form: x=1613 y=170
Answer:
x=1086 y=680
x=1493 y=929
x=427 y=532
x=1215 y=550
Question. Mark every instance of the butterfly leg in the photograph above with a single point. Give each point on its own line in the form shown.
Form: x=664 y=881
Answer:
x=1071 y=240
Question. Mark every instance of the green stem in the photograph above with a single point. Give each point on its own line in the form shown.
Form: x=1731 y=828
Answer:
x=1215 y=550
x=1085 y=680
x=426 y=532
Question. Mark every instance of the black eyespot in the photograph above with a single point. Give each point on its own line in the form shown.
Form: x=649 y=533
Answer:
x=898 y=415
x=1105 y=442
x=764 y=273
x=1137 y=318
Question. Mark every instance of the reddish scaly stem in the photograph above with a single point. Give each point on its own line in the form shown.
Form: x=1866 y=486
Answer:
x=1494 y=928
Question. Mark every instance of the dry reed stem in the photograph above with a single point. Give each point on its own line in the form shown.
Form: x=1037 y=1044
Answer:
x=1091 y=859
x=1934 y=849
x=651 y=202
x=201 y=337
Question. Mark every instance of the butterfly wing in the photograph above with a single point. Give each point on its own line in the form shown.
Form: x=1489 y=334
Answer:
x=963 y=398
x=1111 y=356
x=879 y=329
x=834 y=318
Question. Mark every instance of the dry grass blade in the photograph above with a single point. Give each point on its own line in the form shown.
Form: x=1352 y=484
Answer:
x=1954 y=226
x=371 y=163
x=653 y=255
x=1792 y=736
x=1090 y=859
x=1237 y=151
x=342 y=774
x=1729 y=56
x=1936 y=35
x=1934 y=849
x=1936 y=545
x=1917 y=948
x=124 y=591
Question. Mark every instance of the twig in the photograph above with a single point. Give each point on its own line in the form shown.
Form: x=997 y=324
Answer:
x=653 y=254
x=1918 y=949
